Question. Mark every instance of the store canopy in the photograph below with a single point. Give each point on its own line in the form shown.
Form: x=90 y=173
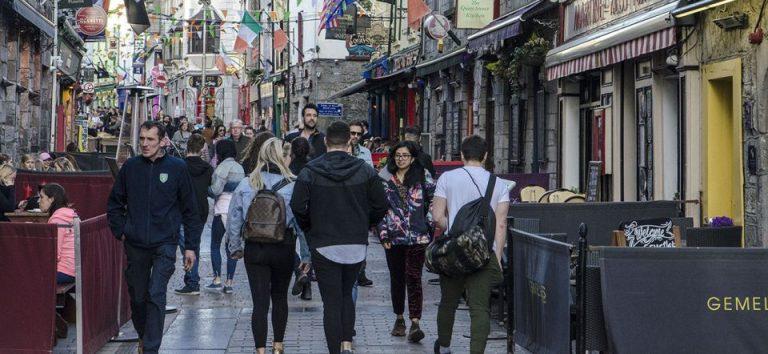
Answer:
x=698 y=6
x=643 y=34
x=28 y=12
x=370 y=84
x=440 y=63
x=500 y=29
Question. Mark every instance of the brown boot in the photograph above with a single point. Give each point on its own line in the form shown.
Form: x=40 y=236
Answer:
x=399 y=329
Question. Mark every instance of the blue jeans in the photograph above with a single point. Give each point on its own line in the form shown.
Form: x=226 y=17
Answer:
x=192 y=277
x=217 y=234
x=147 y=275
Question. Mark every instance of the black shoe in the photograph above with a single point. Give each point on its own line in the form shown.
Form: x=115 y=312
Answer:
x=415 y=335
x=306 y=293
x=362 y=280
x=188 y=290
x=399 y=329
x=299 y=284
x=437 y=348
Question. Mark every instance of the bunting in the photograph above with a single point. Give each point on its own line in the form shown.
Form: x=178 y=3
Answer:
x=249 y=30
x=280 y=40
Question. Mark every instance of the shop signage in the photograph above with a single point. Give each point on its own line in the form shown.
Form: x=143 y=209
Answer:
x=649 y=233
x=90 y=22
x=584 y=15
x=593 y=180
x=473 y=14
x=405 y=60
x=334 y=110
x=437 y=26
x=211 y=80
x=74 y=4
x=88 y=87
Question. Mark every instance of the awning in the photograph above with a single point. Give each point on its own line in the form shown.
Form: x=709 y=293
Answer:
x=370 y=84
x=698 y=6
x=500 y=29
x=440 y=63
x=643 y=34
x=23 y=8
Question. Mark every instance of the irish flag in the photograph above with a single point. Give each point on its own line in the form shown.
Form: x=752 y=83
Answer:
x=249 y=30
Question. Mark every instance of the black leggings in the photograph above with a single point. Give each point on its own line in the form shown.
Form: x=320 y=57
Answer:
x=269 y=268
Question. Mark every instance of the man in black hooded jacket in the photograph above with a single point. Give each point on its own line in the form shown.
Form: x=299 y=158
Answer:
x=336 y=199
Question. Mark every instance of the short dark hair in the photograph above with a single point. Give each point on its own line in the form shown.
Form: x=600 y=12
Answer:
x=248 y=127
x=59 y=196
x=357 y=123
x=337 y=134
x=148 y=125
x=225 y=149
x=474 y=148
x=300 y=148
x=195 y=143
x=413 y=130
x=309 y=106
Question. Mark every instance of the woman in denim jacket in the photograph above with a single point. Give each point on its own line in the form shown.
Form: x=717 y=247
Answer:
x=226 y=177
x=269 y=265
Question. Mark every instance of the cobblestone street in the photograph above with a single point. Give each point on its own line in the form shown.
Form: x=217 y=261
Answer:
x=216 y=323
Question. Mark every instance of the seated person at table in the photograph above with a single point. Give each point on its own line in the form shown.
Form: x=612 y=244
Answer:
x=33 y=202
x=53 y=200
x=30 y=162
x=63 y=164
x=7 y=191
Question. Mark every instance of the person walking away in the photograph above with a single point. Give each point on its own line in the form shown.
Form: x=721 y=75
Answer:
x=236 y=135
x=336 y=200
x=181 y=136
x=268 y=261
x=201 y=173
x=152 y=196
x=310 y=132
x=413 y=133
x=7 y=191
x=54 y=201
x=454 y=189
x=405 y=232
x=227 y=176
x=356 y=130
x=302 y=285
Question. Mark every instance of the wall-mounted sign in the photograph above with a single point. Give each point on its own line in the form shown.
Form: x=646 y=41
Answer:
x=474 y=14
x=334 y=110
x=584 y=15
x=405 y=59
x=90 y=22
x=88 y=87
x=437 y=26
x=211 y=81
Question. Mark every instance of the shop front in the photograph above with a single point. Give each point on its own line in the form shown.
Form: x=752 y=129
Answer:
x=619 y=91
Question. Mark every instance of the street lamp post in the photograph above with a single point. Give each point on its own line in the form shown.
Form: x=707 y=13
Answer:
x=54 y=80
x=203 y=83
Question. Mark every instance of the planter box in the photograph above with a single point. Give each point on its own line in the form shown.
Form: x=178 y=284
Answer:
x=714 y=236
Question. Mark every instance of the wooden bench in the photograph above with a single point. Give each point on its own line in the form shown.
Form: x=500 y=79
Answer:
x=62 y=291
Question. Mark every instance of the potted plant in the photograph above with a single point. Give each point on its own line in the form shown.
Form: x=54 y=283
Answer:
x=721 y=232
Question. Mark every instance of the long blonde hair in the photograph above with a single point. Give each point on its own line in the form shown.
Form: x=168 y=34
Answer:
x=6 y=171
x=271 y=152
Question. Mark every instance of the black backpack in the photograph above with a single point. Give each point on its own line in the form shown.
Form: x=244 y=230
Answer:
x=467 y=246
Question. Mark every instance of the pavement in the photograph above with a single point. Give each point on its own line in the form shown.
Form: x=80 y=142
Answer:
x=214 y=322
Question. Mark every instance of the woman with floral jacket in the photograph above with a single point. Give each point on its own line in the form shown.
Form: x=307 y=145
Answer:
x=405 y=232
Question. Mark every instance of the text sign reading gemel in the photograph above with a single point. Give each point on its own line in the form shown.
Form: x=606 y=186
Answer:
x=335 y=110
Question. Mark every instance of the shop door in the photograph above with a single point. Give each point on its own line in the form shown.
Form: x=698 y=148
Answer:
x=644 y=144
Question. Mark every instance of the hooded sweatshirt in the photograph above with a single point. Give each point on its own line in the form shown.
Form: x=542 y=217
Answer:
x=336 y=199
x=65 y=244
x=201 y=173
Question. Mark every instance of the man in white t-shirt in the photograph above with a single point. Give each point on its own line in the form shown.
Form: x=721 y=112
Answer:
x=455 y=189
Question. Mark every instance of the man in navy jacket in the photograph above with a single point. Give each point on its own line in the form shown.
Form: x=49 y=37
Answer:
x=152 y=196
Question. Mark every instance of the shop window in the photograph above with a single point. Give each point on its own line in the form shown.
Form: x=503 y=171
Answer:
x=212 y=40
x=643 y=70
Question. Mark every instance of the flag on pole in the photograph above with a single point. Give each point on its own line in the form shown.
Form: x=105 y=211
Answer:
x=417 y=9
x=249 y=30
x=331 y=12
x=223 y=62
x=280 y=40
x=136 y=12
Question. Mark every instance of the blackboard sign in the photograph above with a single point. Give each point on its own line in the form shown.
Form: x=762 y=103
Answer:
x=649 y=233
x=592 y=181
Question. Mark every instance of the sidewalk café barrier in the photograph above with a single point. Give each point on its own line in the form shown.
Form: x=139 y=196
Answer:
x=686 y=300
x=541 y=285
x=87 y=191
x=601 y=218
x=28 y=300
x=102 y=296
x=523 y=180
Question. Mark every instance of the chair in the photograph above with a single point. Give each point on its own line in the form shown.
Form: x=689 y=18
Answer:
x=577 y=198
x=532 y=194
x=560 y=196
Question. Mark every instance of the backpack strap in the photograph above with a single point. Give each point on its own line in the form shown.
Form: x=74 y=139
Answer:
x=488 y=195
x=278 y=186
x=473 y=181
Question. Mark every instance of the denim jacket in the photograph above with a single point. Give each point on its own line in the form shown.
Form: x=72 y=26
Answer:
x=238 y=210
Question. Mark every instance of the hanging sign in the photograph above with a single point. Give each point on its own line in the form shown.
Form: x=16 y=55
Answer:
x=473 y=14
x=437 y=26
x=91 y=21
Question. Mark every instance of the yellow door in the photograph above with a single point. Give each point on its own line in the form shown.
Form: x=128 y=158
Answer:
x=723 y=193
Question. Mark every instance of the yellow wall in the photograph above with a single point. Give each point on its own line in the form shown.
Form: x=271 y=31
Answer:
x=722 y=144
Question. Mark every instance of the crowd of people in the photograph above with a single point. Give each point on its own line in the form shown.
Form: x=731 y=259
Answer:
x=303 y=206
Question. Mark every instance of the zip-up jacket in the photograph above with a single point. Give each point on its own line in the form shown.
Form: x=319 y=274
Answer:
x=150 y=200
x=336 y=199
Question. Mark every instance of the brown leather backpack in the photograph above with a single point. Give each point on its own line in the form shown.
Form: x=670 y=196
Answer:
x=265 y=221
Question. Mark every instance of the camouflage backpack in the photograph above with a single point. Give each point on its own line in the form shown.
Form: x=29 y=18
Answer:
x=467 y=246
x=265 y=221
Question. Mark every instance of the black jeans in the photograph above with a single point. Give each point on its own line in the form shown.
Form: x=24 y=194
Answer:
x=335 y=281
x=405 y=265
x=269 y=268
x=147 y=275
